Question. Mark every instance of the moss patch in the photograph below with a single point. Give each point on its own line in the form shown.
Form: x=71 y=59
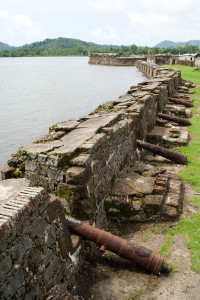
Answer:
x=63 y=192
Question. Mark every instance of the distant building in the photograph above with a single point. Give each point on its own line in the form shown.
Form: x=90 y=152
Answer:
x=187 y=56
x=197 y=60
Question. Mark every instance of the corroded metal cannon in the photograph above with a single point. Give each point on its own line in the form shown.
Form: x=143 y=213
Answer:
x=180 y=101
x=177 y=157
x=181 y=121
x=143 y=257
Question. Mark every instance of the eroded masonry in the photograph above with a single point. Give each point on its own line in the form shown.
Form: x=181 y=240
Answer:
x=90 y=168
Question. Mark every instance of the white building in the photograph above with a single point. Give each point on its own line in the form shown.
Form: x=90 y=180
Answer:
x=187 y=56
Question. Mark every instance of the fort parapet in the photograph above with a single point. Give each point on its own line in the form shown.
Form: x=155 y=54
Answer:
x=79 y=161
x=113 y=59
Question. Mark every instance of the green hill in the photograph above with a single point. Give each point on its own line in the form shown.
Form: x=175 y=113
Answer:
x=63 y=43
x=166 y=43
x=4 y=46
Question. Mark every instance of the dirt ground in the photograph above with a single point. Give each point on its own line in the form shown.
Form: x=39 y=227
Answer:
x=111 y=278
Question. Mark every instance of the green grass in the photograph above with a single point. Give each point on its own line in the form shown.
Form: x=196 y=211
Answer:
x=156 y=229
x=194 y=128
x=191 y=173
x=166 y=248
x=196 y=200
x=189 y=73
x=189 y=227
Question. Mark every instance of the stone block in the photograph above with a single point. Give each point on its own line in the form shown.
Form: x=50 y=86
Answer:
x=78 y=175
x=20 y=249
x=14 y=284
x=152 y=204
x=53 y=267
x=158 y=190
x=7 y=173
x=30 y=165
x=72 y=192
x=37 y=227
x=5 y=267
x=83 y=208
x=50 y=236
x=169 y=212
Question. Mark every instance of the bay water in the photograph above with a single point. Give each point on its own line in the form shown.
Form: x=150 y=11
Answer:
x=37 y=92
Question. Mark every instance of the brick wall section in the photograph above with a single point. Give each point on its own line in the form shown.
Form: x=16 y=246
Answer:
x=34 y=245
x=80 y=159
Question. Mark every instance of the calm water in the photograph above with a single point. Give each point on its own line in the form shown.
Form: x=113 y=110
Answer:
x=36 y=93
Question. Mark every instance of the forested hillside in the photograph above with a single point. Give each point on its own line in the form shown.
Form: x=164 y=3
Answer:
x=74 y=47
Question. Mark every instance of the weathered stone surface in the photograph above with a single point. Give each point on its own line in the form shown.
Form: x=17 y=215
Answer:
x=125 y=98
x=133 y=184
x=152 y=204
x=7 y=173
x=11 y=188
x=5 y=266
x=174 y=194
x=14 y=284
x=73 y=140
x=66 y=126
x=154 y=172
x=30 y=165
x=139 y=94
x=169 y=211
x=42 y=148
x=98 y=122
x=169 y=136
x=77 y=175
x=82 y=160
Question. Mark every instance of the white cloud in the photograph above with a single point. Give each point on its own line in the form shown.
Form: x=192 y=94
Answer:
x=150 y=19
x=107 y=34
x=100 y=5
x=18 y=26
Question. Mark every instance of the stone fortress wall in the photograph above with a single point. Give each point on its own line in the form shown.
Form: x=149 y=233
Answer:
x=78 y=161
x=113 y=59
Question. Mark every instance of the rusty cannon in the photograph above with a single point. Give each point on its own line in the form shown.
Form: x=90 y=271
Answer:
x=143 y=257
x=180 y=101
x=181 y=121
x=176 y=157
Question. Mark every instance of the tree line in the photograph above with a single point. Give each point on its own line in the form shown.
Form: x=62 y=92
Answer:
x=82 y=50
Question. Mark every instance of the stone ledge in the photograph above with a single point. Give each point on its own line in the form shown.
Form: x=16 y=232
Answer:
x=17 y=201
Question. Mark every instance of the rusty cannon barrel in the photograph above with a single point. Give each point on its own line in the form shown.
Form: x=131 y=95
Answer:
x=180 y=101
x=177 y=157
x=143 y=257
x=181 y=121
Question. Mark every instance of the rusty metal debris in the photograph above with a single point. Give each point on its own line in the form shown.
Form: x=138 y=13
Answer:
x=180 y=101
x=177 y=157
x=143 y=257
x=175 y=119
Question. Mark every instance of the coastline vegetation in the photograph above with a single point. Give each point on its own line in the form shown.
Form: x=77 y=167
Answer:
x=74 y=47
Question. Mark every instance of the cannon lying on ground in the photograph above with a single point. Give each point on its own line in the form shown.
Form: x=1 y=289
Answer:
x=180 y=101
x=175 y=119
x=177 y=157
x=139 y=255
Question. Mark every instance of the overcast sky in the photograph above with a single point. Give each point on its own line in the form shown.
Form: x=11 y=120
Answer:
x=140 y=22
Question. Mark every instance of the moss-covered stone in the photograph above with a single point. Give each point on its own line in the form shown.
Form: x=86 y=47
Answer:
x=64 y=192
